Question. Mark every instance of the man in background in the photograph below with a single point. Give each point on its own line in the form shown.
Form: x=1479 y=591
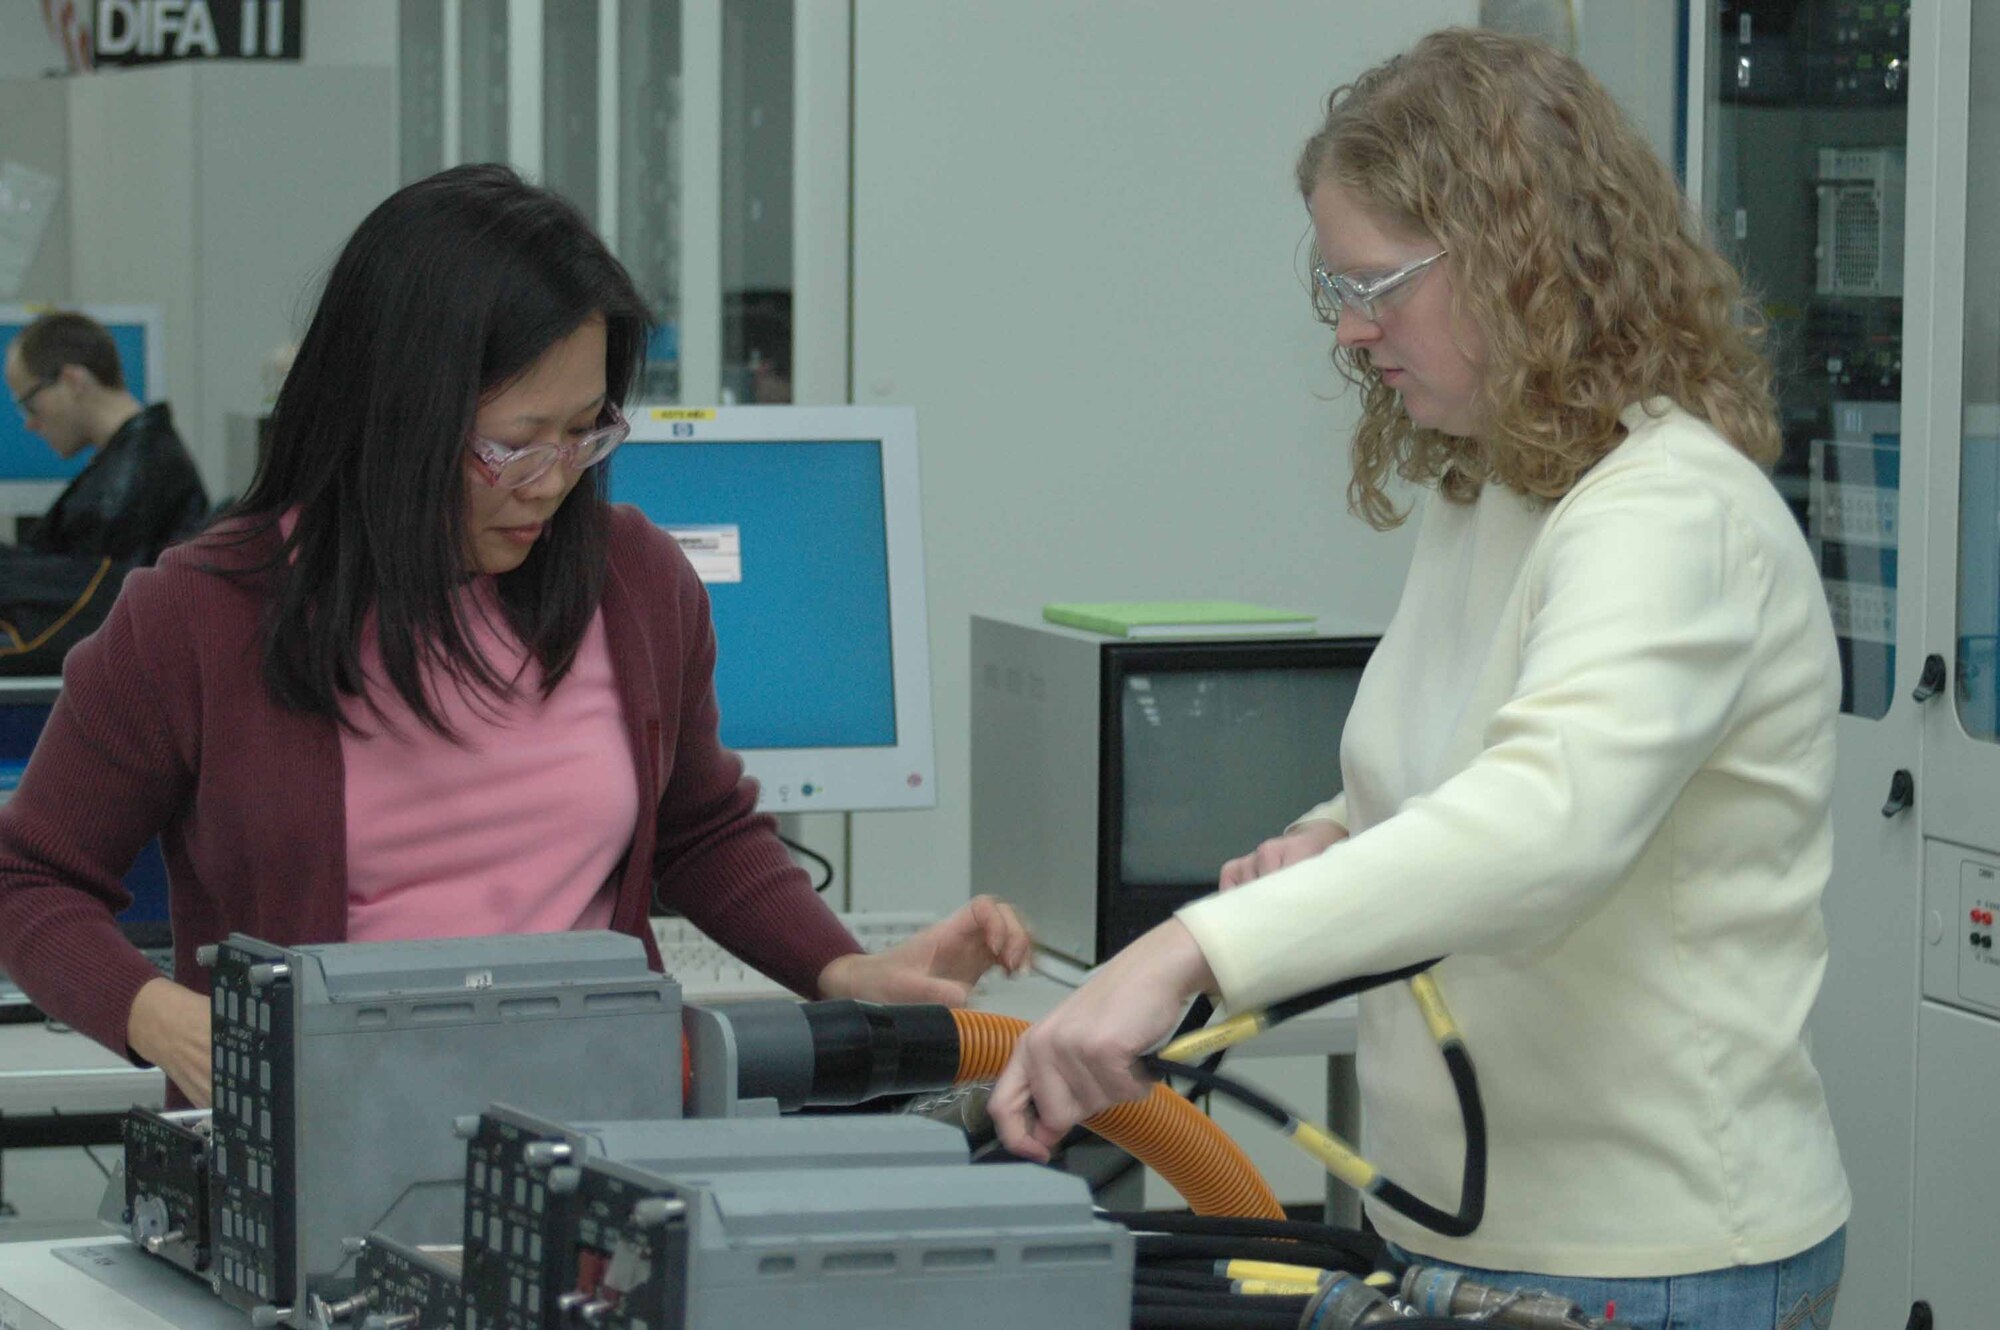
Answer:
x=139 y=494
x=141 y=491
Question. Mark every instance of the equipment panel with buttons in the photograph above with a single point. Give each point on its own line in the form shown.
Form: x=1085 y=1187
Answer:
x=1978 y=962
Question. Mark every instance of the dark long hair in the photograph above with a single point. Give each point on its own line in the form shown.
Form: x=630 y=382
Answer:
x=447 y=292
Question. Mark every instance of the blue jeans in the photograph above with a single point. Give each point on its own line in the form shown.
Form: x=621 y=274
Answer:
x=1793 y=1294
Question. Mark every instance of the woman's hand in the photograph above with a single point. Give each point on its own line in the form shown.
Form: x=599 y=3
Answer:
x=1310 y=839
x=1082 y=1057
x=169 y=1027
x=940 y=964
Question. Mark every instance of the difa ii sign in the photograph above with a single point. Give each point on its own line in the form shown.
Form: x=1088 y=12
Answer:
x=146 y=32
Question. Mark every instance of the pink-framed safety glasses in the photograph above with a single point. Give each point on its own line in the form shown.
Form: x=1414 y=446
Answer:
x=504 y=467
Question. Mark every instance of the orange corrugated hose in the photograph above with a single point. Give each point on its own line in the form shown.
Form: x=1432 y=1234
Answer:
x=1163 y=1130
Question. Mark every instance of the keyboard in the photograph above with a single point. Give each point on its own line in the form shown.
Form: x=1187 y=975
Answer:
x=708 y=973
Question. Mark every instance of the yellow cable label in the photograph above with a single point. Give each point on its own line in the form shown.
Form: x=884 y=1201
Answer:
x=1431 y=1003
x=1275 y=1288
x=682 y=413
x=1198 y=1044
x=1381 y=1279
x=1330 y=1150
x=1276 y=1270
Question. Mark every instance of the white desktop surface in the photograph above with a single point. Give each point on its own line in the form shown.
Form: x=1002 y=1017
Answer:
x=40 y=1290
x=45 y=1069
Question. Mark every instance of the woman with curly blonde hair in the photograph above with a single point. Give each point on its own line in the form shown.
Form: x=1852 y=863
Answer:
x=1591 y=762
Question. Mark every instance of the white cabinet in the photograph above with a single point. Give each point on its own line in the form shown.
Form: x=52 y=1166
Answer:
x=1843 y=151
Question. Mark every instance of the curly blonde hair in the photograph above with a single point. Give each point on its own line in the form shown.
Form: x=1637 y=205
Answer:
x=1571 y=250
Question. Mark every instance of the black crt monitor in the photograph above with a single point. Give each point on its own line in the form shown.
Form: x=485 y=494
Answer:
x=1111 y=778
x=24 y=710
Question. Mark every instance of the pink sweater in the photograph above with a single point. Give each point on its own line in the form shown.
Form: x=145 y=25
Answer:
x=164 y=728
x=513 y=825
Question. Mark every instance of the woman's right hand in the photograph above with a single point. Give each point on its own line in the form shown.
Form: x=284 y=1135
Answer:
x=1303 y=842
x=169 y=1027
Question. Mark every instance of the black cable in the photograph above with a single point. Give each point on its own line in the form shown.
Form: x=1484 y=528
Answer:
x=1255 y=1100
x=1152 y=1248
x=817 y=858
x=1213 y=1318
x=1150 y=1296
x=1365 y=1251
x=1236 y=1226
x=1472 y=1185
x=1160 y=1276
x=1319 y=997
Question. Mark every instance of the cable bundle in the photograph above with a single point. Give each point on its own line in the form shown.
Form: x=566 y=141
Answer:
x=1196 y=1272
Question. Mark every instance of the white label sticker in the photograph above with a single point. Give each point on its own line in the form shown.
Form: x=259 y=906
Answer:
x=715 y=551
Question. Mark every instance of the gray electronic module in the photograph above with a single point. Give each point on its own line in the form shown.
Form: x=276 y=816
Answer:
x=339 y=1070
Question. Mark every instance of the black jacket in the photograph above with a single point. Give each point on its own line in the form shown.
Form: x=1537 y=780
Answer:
x=137 y=496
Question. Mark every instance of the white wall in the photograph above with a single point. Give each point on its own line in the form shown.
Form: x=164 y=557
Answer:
x=1079 y=253
x=134 y=211
x=351 y=32
x=1632 y=46
x=279 y=198
x=34 y=132
x=26 y=49
x=215 y=192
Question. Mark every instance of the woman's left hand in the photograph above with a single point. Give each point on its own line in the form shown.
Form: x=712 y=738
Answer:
x=940 y=964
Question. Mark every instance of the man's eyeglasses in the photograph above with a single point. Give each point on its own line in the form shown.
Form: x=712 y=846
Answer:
x=511 y=468
x=1366 y=293
x=25 y=403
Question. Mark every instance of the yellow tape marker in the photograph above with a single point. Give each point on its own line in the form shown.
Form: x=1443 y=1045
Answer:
x=1275 y=1288
x=1431 y=1003
x=1340 y=1161
x=1199 y=1044
x=1278 y=1270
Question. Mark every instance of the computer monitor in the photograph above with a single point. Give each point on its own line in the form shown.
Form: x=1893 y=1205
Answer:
x=1112 y=778
x=805 y=526
x=24 y=710
x=138 y=331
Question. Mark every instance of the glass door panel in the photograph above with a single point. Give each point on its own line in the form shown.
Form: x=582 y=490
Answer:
x=757 y=118
x=1977 y=668
x=570 y=104
x=649 y=179
x=482 y=81
x=1808 y=122
x=420 y=62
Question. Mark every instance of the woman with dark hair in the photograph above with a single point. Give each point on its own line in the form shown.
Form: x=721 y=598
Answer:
x=1591 y=762
x=423 y=680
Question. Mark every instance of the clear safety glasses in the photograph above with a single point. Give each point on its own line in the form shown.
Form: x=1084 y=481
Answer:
x=1366 y=293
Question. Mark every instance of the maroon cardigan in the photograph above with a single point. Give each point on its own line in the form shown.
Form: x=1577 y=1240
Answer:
x=164 y=727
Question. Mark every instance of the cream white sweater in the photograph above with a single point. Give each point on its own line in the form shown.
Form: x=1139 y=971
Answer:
x=1592 y=763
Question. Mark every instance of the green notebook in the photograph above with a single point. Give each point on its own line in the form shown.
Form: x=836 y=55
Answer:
x=1181 y=618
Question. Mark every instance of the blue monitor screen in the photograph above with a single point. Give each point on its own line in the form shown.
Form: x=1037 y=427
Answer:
x=20 y=726
x=792 y=543
x=23 y=456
